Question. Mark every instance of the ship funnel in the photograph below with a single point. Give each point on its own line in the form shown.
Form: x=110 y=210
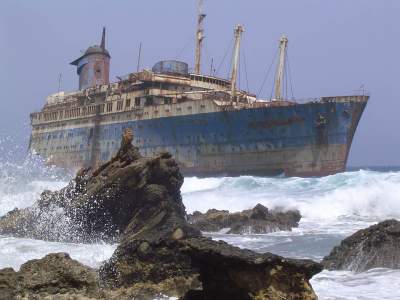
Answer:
x=93 y=67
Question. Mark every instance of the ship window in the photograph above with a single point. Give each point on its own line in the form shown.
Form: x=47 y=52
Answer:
x=128 y=103
x=119 y=105
x=189 y=108
x=109 y=106
x=149 y=101
x=137 y=101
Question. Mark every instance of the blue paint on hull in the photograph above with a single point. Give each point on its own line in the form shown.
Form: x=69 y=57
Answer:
x=303 y=139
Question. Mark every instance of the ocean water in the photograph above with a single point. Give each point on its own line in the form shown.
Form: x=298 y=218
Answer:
x=332 y=207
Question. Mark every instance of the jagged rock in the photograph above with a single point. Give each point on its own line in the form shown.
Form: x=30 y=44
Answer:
x=256 y=220
x=377 y=246
x=55 y=274
x=147 y=254
x=224 y=271
x=100 y=205
x=138 y=200
x=227 y=272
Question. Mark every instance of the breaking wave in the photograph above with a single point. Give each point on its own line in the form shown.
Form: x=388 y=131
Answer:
x=22 y=183
x=333 y=202
x=16 y=251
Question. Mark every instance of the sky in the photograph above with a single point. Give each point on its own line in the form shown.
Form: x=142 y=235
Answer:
x=335 y=47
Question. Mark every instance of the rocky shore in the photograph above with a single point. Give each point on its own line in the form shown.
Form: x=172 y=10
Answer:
x=374 y=247
x=137 y=201
x=252 y=221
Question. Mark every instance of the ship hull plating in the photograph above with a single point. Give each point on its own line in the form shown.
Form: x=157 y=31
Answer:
x=311 y=139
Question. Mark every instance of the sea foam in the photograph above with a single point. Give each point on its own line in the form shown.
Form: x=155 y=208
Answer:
x=345 y=201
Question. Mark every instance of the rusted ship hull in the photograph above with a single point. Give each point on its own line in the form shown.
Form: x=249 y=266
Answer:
x=311 y=139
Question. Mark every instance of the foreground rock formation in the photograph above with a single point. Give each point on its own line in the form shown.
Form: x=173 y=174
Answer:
x=377 y=246
x=252 y=221
x=137 y=200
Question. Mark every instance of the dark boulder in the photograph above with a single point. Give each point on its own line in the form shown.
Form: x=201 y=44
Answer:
x=252 y=221
x=377 y=246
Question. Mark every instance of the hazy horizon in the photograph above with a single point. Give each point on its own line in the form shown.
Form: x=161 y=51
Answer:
x=334 y=48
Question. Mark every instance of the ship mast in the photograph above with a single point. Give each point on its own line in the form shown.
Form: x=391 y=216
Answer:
x=103 y=39
x=199 y=35
x=235 y=59
x=281 y=66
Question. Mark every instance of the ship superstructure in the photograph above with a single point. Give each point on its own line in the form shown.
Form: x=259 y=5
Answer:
x=209 y=125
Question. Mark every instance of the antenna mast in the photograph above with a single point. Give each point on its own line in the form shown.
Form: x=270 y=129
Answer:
x=103 y=39
x=199 y=35
x=235 y=60
x=59 y=83
x=138 y=60
x=281 y=66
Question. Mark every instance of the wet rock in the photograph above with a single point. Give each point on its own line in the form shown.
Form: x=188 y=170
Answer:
x=205 y=268
x=55 y=274
x=377 y=246
x=254 y=221
x=227 y=272
x=100 y=204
